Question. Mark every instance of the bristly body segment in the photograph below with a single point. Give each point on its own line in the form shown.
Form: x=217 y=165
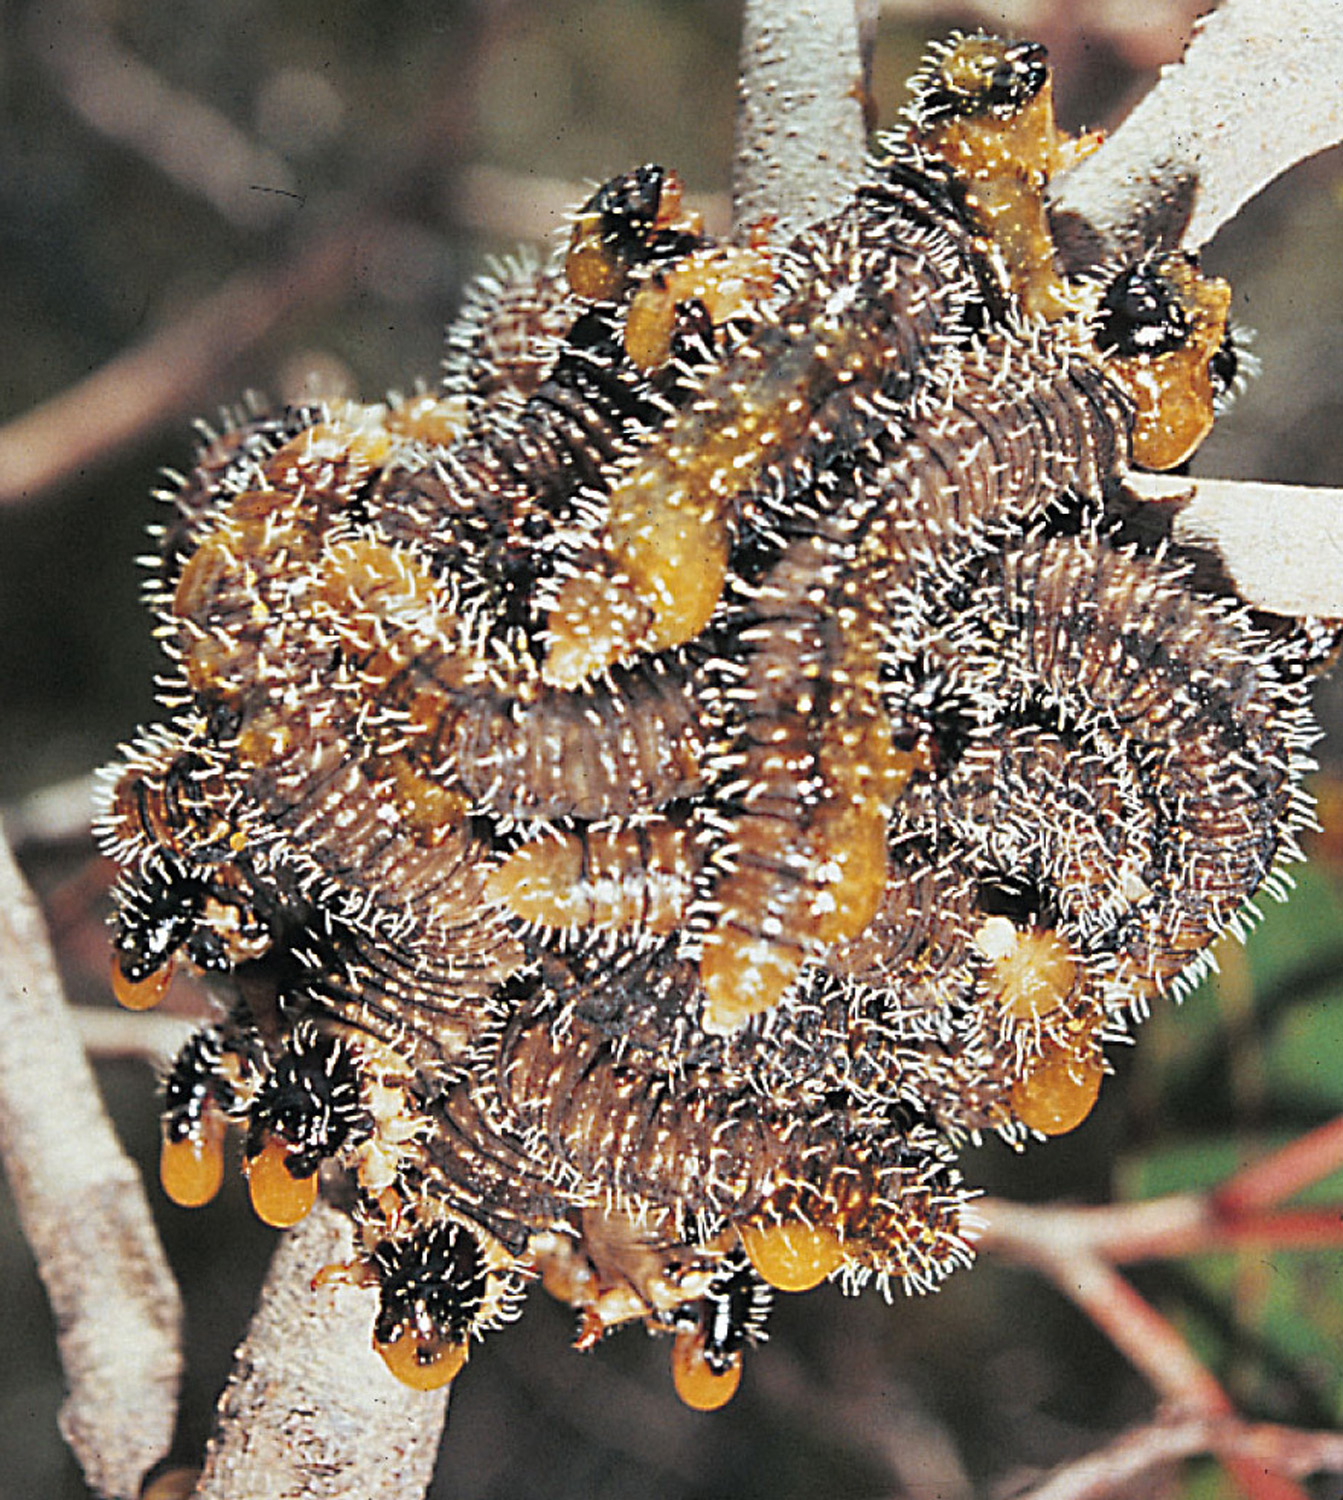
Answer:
x=655 y=798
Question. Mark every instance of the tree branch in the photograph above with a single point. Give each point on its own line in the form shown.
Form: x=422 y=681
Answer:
x=311 y=1412
x=1259 y=90
x=801 y=136
x=1281 y=544
x=1139 y=1453
x=84 y=1214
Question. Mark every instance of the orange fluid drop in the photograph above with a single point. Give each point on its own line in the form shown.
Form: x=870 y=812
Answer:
x=172 y=1484
x=422 y=1364
x=792 y=1257
x=279 y=1199
x=1059 y=1092
x=697 y=1384
x=192 y=1170
x=141 y=994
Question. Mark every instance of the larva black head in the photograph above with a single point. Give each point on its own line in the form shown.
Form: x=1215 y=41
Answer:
x=612 y=232
x=310 y=1101
x=626 y=208
x=434 y=1289
x=156 y=914
x=979 y=75
x=631 y=220
x=433 y=1284
x=733 y=1311
x=1141 y=312
x=706 y=1356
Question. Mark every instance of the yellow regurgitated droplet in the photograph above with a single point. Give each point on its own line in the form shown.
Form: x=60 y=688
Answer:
x=141 y=994
x=1059 y=1091
x=422 y=1364
x=590 y=268
x=792 y=1256
x=192 y=1170
x=697 y=1384
x=279 y=1198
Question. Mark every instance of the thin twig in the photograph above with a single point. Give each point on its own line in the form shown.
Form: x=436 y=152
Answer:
x=164 y=377
x=1155 y=1347
x=84 y=1213
x=197 y=147
x=146 y=1035
x=1265 y=1183
x=1115 y=1469
x=1157 y=1228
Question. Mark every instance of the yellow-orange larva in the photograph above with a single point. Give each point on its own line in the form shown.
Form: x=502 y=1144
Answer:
x=639 y=877
x=1164 y=324
x=726 y=280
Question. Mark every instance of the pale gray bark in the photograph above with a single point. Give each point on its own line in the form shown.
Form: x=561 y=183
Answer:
x=801 y=139
x=84 y=1213
x=1259 y=89
x=311 y=1412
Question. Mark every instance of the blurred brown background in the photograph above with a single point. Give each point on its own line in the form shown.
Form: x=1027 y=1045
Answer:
x=291 y=198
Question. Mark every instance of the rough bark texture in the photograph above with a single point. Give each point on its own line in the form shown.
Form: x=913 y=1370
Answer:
x=1259 y=89
x=311 y=1412
x=84 y=1213
x=801 y=137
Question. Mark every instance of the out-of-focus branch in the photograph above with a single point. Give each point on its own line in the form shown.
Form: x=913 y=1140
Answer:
x=1153 y=1345
x=1259 y=89
x=84 y=1213
x=147 y=1035
x=196 y=146
x=1267 y=1182
x=167 y=375
x=1078 y=1249
x=175 y=368
x=1115 y=1469
x=311 y=1412
x=51 y=815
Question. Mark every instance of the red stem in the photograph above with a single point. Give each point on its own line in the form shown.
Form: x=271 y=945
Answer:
x=1297 y=1165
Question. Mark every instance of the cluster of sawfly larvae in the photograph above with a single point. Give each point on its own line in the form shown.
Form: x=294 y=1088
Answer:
x=652 y=799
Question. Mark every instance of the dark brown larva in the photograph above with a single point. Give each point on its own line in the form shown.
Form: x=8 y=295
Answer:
x=655 y=796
